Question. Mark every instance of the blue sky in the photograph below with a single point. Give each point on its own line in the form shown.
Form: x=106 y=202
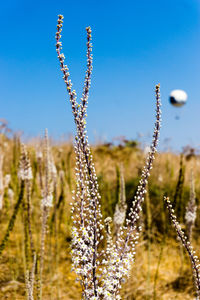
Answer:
x=136 y=45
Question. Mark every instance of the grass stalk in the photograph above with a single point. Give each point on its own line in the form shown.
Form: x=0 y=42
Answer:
x=13 y=218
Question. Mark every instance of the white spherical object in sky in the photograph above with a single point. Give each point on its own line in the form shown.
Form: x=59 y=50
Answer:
x=178 y=97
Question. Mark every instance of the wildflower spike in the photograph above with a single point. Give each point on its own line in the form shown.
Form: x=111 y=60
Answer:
x=187 y=245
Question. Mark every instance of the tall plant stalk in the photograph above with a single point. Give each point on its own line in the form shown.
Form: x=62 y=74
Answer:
x=195 y=263
x=86 y=211
x=46 y=203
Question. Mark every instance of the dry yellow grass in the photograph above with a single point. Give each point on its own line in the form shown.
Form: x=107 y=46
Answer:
x=174 y=275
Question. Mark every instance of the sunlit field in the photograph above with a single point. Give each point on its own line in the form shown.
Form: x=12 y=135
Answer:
x=161 y=270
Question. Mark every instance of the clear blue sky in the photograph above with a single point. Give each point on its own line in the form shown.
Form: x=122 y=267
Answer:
x=136 y=45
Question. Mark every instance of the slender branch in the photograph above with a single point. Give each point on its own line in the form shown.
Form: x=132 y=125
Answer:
x=141 y=190
x=87 y=82
x=187 y=245
x=83 y=152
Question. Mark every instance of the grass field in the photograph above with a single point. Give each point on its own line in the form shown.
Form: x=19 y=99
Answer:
x=162 y=268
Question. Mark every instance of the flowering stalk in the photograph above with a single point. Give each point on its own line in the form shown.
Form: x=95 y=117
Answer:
x=53 y=220
x=87 y=196
x=29 y=291
x=87 y=218
x=39 y=156
x=46 y=203
x=177 y=202
x=4 y=180
x=124 y=252
x=121 y=206
x=29 y=280
x=53 y=171
x=191 y=208
x=25 y=175
x=141 y=189
x=187 y=245
x=87 y=82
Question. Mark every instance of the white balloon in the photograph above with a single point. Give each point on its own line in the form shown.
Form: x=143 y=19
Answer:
x=178 y=97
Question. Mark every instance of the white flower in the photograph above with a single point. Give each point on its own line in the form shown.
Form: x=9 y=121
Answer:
x=47 y=201
x=25 y=174
x=39 y=154
x=190 y=216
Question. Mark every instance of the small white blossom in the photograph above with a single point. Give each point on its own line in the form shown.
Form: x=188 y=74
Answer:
x=47 y=201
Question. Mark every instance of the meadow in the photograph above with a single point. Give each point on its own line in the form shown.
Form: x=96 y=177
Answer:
x=161 y=270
